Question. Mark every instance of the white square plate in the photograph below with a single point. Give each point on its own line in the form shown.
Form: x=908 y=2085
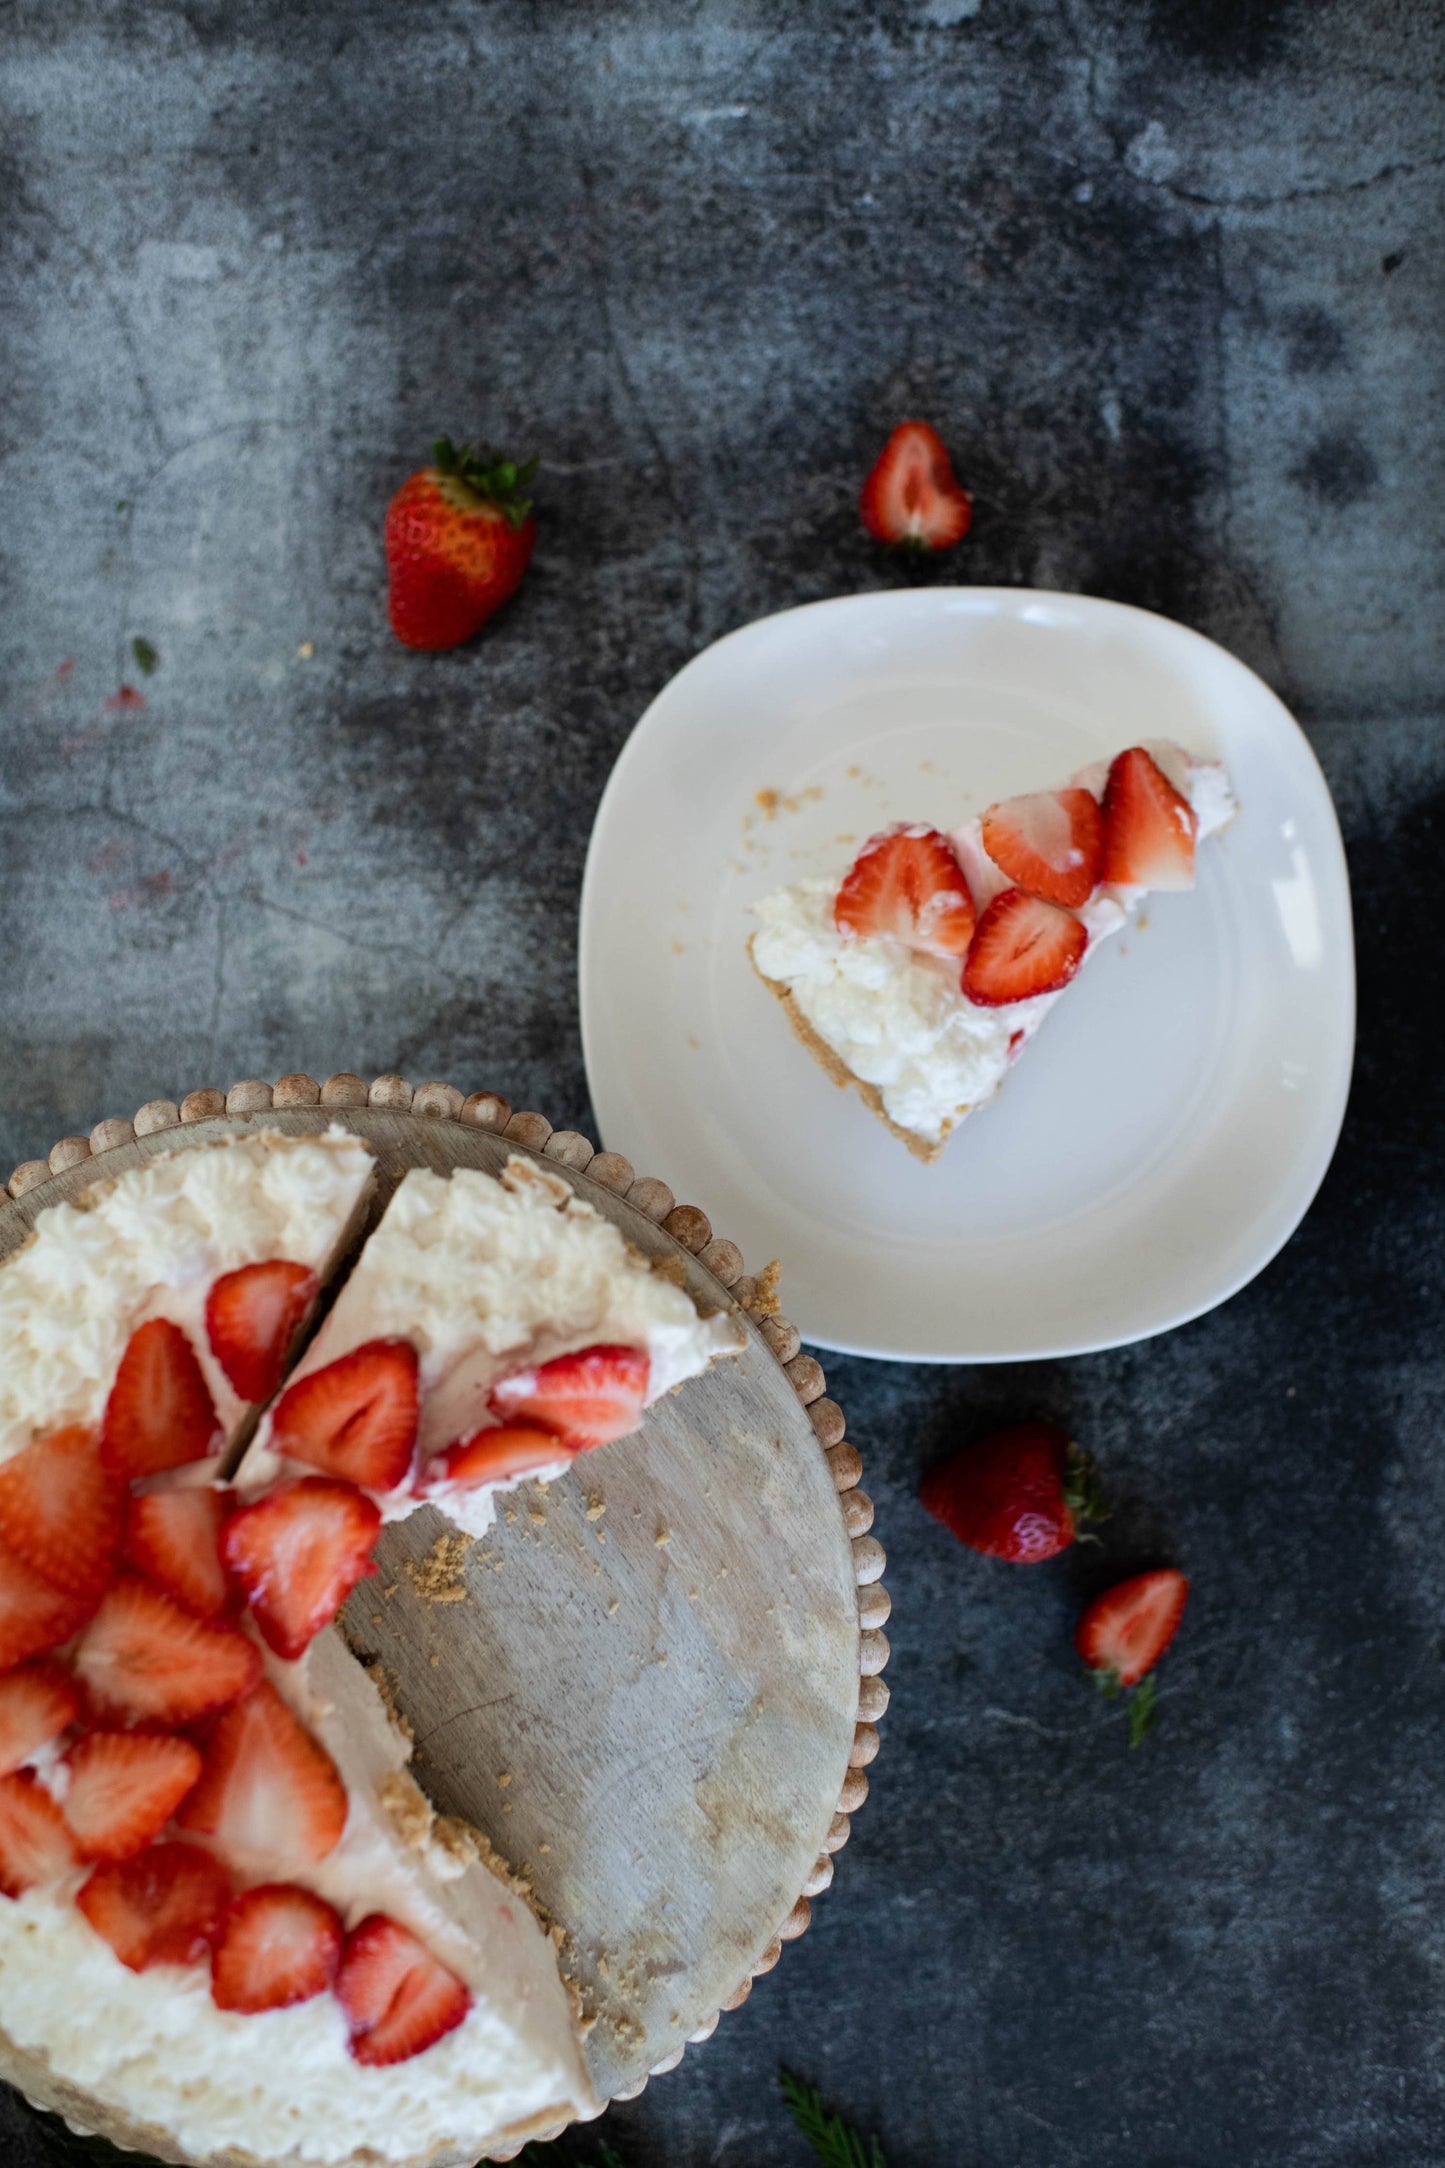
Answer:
x=1164 y=1134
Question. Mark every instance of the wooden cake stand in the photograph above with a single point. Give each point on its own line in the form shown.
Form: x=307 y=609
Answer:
x=654 y=1685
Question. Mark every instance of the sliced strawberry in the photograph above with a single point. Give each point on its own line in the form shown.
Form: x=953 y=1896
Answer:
x=1050 y=843
x=356 y=1418
x=278 y=1944
x=34 y=1614
x=592 y=1396
x=252 y=1316
x=907 y=883
x=1125 y=1631
x=35 y=1844
x=145 y=1660
x=160 y=1412
x=268 y=1788
x=397 y=1997
x=164 y=1907
x=1148 y=828
x=124 y=1787
x=298 y=1554
x=36 y=1704
x=173 y=1537
x=912 y=495
x=494 y=1456
x=1023 y=947
x=61 y=1509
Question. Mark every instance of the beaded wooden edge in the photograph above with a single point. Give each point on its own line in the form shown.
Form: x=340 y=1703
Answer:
x=691 y=1227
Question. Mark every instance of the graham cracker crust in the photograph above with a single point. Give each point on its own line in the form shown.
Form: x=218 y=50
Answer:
x=923 y=1148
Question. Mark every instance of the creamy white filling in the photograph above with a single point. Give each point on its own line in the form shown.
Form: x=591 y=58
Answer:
x=154 y=2046
x=901 y=1020
x=484 y=1276
x=148 y=1244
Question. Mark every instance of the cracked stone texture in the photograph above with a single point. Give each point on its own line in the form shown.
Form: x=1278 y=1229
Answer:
x=1168 y=277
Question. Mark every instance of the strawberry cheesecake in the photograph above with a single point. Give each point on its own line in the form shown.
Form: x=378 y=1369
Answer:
x=919 y=978
x=231 y=1928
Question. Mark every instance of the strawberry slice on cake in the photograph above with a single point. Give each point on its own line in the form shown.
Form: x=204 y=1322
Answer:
x=919 y=977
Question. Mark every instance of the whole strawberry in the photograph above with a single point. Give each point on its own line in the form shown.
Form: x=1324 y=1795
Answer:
x=1017 y=1494
x=458 y=537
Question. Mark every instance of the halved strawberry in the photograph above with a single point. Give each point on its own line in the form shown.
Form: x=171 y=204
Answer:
x=1050 y=843
x=160 y=1412
x=145 y=1660
x=124 y=1787
x=36 y=1704
x=356 y=1418
x=298 y=1553
x=163 y=1907
x=494 y=1456
x=1148 y=828
x=912 y=495
x=268 y=1788
x=398 y=1998
x=35 y=1844
x=1124 y=1632
x=173 y=1537
x=34 y=1614
x=61 y=1510
x=252 y=1316
x=278 y=1944
x=1023 y=947
x=907 y=883
x=590 y=1397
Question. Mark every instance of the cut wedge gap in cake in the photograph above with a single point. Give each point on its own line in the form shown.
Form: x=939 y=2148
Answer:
x=919 y=977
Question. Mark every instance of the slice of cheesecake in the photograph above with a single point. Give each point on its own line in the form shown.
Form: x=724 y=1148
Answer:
x=920 y=976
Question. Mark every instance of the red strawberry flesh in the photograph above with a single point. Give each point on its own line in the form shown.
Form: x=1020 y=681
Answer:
x=1023 y=947
x=34 y=1614
x=277 y=1945
x=124 y=1787
x=268 y=1789
x=1005 y=1496
x=1125 y=1631
x=298 y=1553
x=398 y=1998
x=907 y=884
x=143 y=1659
x=1050 y=843
x=160 y=1413
x=498 y=1455
x=35 y=1843
x=61 y=1510
x=1149 y=829
x=163 y=1907
x=37 y=1702
x=912 y=495
x=591 y=1397
x=252 y=1317
x=355 y=1418
x=173 y=1538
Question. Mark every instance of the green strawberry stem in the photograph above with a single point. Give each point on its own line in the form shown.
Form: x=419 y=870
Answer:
x=490 y=476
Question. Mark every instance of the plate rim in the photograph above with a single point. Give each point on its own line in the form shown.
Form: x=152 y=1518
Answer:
x=1000 y=601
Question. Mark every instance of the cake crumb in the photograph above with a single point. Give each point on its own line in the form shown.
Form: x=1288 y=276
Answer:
x=662 y=1538
x=407 y=1810
x=544 y=1848
x=612 y=1608
x=670 y=1267
x=765 y=1301
x=306 y=650
x=504 y=1778
x=435 y=1662
x=440 y=1577
x=767 y=802
x=596 y=1506
x=536 y=1516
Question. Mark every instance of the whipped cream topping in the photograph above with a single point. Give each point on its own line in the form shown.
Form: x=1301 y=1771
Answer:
x=486 y=1275
x=281 y=2083
x=900 y=1020
x=149 y=1243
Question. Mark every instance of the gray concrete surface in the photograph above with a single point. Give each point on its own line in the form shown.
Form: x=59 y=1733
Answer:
x=1168 y=276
